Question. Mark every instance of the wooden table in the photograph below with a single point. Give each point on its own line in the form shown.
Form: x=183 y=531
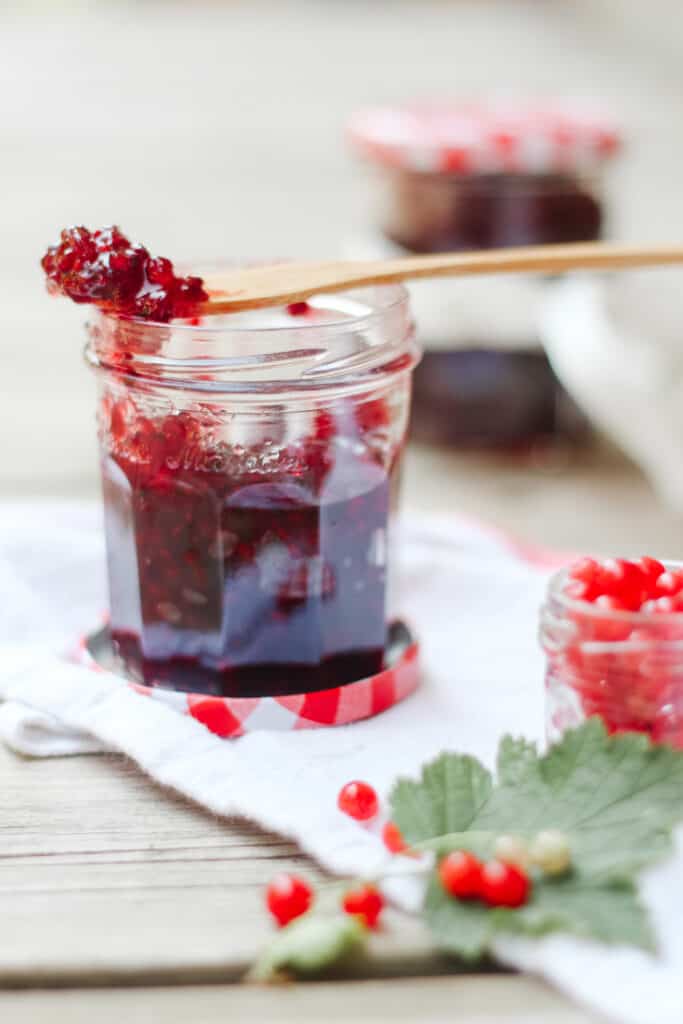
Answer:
x=130 y=904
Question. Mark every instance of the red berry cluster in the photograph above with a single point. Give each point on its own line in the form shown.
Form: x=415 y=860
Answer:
x=289 y=897
x=615 y=584
x=622 y=668
x=496 y=883
x=103 y=267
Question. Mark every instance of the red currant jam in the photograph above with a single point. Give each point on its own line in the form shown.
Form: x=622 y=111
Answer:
x=483 y=398
x=480 y=395
x=105 y=269
x=443 y=213
x=245 y=570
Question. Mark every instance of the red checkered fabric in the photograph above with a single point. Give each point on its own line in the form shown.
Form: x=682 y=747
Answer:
x=485 y=137
x=229 y=717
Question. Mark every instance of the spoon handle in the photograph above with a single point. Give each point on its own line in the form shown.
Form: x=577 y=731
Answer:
x=541 y=258
x=254 y=287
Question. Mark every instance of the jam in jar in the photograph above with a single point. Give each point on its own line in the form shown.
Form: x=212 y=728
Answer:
x=250 y=470
x=457 y=176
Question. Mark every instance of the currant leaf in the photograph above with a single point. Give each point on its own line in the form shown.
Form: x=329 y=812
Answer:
x=616 y=798
x=453 y=790
x=610 y=913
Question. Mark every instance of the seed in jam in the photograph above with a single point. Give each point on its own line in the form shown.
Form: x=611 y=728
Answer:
x=104 y=268
x=298 y=308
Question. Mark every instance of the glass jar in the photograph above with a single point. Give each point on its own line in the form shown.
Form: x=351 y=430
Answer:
x=466 y=177
x=625 y=666
x=250 y=470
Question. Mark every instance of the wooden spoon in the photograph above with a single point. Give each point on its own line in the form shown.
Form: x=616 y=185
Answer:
x=283 y=283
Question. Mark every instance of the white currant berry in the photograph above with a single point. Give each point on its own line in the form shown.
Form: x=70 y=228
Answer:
x=550 y=851
x=512 y=850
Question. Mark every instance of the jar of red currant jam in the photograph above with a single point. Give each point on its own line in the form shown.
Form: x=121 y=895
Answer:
x=251 y=469
x=455 y=176
x=612 y=632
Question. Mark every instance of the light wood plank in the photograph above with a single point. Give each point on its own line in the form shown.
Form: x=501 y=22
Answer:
x=469 y=1000
x=104 y=877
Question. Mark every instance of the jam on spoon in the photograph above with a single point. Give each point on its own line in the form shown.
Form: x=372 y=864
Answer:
x=104 y=268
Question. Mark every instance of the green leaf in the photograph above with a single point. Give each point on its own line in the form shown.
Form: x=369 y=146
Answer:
x=460 y=927
x=609 y=913
x=451 y=793
x=308 y=945
x=616 y=798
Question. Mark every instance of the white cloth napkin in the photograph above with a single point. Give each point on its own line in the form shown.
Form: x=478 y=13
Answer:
x=473 y=599
x=615 y=343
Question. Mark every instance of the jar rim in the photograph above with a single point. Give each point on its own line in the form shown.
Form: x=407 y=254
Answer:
x=399 y=294
x=372 y=336
x=495 y=133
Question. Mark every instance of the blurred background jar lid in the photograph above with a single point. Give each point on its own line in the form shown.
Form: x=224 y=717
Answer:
x=485 y=137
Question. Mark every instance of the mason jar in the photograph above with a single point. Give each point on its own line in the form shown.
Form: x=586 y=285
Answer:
x=457 y=176
x=250 y=468
x=624 y=666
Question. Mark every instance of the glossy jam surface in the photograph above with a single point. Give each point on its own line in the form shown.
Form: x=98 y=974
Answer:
x=440 y=213
x=614 y=638
x=106 y=269
x=482 y=396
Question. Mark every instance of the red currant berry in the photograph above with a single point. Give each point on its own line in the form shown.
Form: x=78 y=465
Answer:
x=325 y=426
x=585 y=570
x=668 y=584
x=358 y=800
x=392 y=838
x=287 y=897
x=159 y=270
x=366 y=903
x=504 y=885
x=372 y=415
x=460 y=874
x=623 y=580
x=650 y=568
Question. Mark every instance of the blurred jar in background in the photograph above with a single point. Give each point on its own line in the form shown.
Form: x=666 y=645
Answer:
x=479 y=176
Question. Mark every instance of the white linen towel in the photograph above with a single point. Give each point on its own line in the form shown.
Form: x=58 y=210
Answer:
x=474 y=602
